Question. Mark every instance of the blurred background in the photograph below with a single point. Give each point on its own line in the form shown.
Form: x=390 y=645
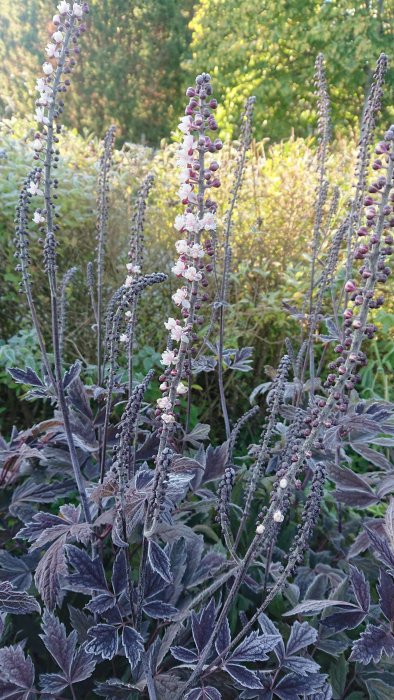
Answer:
x=136 y=60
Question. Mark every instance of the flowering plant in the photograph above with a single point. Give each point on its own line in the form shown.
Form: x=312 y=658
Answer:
x=123 y=562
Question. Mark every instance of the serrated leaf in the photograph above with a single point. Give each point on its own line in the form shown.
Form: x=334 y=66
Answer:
x=338 y=675
x=254 y=648
x=26 y=376
x=243 y=676
x=60 y=646
x=360 y=588
x=16 y=669
x=381 y=548
x=103 y=641
x=101 y=603
x=133 y=645
x=206 y=693
x=119 y=572
x=300 y=665
x=203 y=625
x=50 y=567
x=89 y=573
x=187 y=656
x=385 y=590
x=312 y=607
x=72 y=373
x=223 y=638
x=16 y=602
x=159 y=561
x=374 y=642
x=301 y=636
x=291 y=685
x=159 y=610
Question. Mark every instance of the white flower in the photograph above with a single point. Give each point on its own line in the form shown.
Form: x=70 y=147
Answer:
x=191 y=222
x=38 y=218
x=278 y=516
x=168 y=418
x=180 y=298
x=168 y=358
x=185 y=124
x=34 y=188
x=47 y=68
x=179 y=268
x=260 y=529
x=179 y=223
x=129 y=281
x=182 y=246
x=123 y=338
x=58 y=37
x=164 y=403
x=283 y=483
x=177 y=333
x=163 y=386
x=191 y=274
x=135 y=269
x=40 y=116
x=184 y=175
x=181 y=389
x=196 y=251
x=63 y=7
x=56 y=19
x=51 y=50
x=37 y=145
x=208 y=222
x=185 y=191
x=170 y=324
x=77 y=10
x=41 y=84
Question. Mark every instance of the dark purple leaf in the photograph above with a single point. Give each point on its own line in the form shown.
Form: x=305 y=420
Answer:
x=223 y=638
x=312 y=607
x=254 y=647
x=34 y=492
x=114 y=688
x=89 y=573
x=17 y=570
x=185 y=655
x=82 y=666
x=16 y=602
x=26 y=376
x=360 y=588
x=103 y=641
x=59 y=645
x=300 y=665
x=16 y=670
x=372 y=456
x=362 y=541
x=101 y=603
x=71 y=374
x=386 y=594
x=216 y=459
x=50 y=567
x=119 y=573
x=206 y=693
x=159 y=561
x=159 y=610
x=53 y=683
x=374 y=642
x=344 y=620
x=203 y=625
x=243 y=676
x=239 y=359
x=382 y=548
x=133 y=645
x=301 y=636
x=292 y=685
x=362 y=499
x=268 y=627
x=81 y=622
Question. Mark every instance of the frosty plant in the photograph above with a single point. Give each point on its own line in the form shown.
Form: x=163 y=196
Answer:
x=166 y=568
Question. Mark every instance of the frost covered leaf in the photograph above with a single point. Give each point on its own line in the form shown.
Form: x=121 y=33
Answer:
x=25 y=376
x=103 y=641
x=300 y=665
x=292 y=685
x=381 y=548
x=89 y=573
x=206 y=693
x=301 y=636
x=187 y=656
x=374 y=642
x=223 y=638
x=203 y=624
x=119 y=573
x=389 y=523
x=114 y=688
x=385 y=589
x=72 y=373
x=160 y=611
x=133 y=645
x=312 y=607
x=17 y=570
x=243 y=676
x=360 y=588
x=101 y=603
x=159 y=561
x=16 y=673
x=16 y=602
x=254 y=648
x=50 y=567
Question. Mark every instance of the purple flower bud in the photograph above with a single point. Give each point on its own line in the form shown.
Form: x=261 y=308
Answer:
x=190 y=92
x=350 y=286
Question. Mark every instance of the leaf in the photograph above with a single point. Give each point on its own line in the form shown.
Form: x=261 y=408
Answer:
x=89 y=573
x=119 y=573
x=254 y=648
x=133 y=645
x=223 y=638
x=301 y=636
x=360 y=588
x=374 y=642
x=159 y=610
x=72 y=373
x=300 y=665
x=372 y=456
x=187 y=656
x=159 y=561
x=103 y=642
x=16 y=570
x=17 y=671
x=243 y=676
x=378 y=690
x=312 y=607
x=16 y=602
x=199 y=433
x=206 y=693
x=203 y=625
x=338 y=675
x=26 y=376
x=344 y=620
x=268 y=627
x=389 y=523
x=385 y=590
x=50 y=567
x=216 y=459
x=114 y=688
x=59 y=645
x=381 y=547
x=101 y=603
x=292 y=685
